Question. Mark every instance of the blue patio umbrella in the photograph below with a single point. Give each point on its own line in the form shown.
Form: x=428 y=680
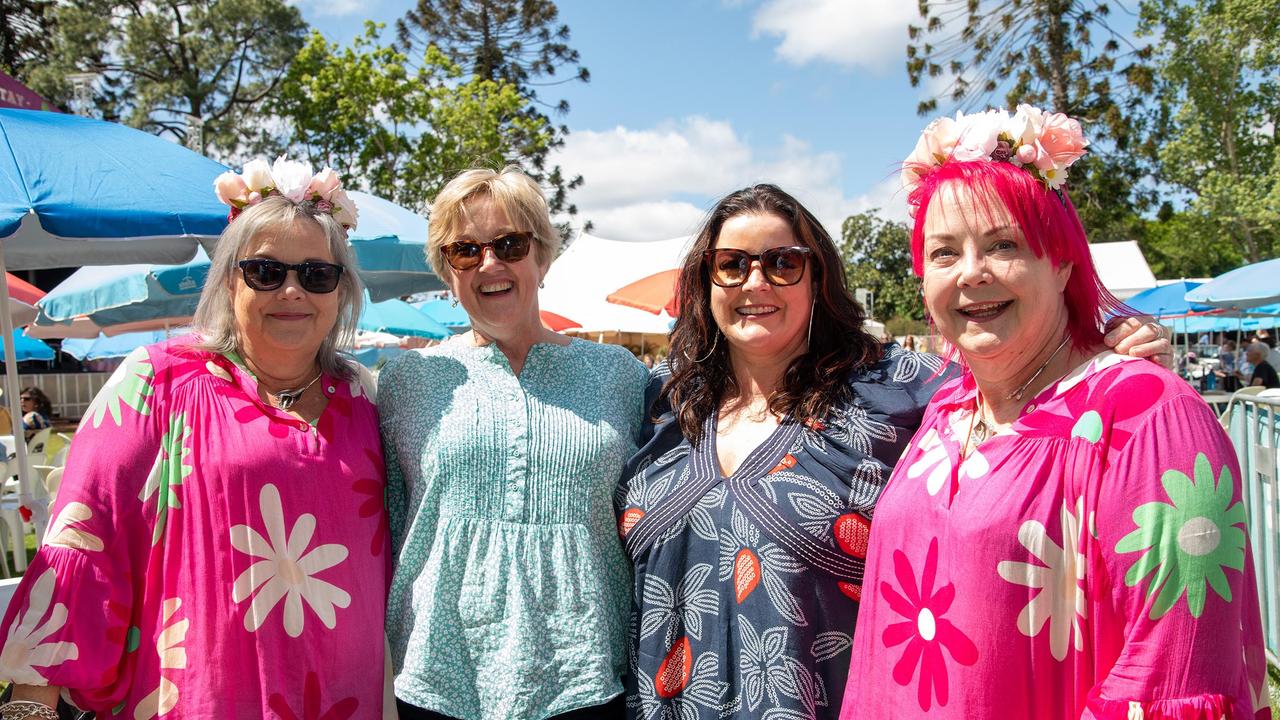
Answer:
x=105 y=346
x=119 y=294
x=445 y=313
x=399 y=318
x=27 y=348
x=390 y=245
x=1167 y=300
x=1244 y=287
x=75 y=191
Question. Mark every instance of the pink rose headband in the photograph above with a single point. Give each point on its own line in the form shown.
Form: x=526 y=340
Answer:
x=291 y=179
x=1043 y=144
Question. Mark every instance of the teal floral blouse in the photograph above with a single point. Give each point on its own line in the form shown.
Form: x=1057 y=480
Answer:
x=511 y=591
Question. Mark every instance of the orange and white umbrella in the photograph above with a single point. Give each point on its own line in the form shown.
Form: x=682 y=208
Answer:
x=654 y=293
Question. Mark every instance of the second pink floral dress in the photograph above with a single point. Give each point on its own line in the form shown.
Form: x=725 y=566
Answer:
x=1092 y=563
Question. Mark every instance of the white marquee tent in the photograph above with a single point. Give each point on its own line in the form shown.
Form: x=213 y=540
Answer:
x=1122 y=267
x=584 y=275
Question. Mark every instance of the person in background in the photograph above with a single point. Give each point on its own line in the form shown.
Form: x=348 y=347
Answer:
x=1064 y=537
x=504 y=444
x=1264 y=373
x=36 y=409
x=909 y=343
x=1226 y=371
x=218 y=546
x=1273 y=354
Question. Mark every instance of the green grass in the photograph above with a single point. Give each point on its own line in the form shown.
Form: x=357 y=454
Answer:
x=31 y=553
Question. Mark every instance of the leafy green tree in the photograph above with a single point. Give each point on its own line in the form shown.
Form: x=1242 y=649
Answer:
x=1187 y=244
x=1220 y=100
x=520 y=42
x=877 y=256
x=400 y=133
x=217 y=60
x=1061 y=55
x=24 y=38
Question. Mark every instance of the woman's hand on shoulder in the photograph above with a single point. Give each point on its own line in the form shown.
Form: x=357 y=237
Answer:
x=1141 y=337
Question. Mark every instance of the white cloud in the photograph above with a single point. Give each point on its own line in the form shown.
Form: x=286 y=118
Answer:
x=868 y=34
x=649 y=184
x=330 y=8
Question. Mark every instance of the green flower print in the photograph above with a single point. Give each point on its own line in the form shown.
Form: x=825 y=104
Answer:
x=129 y=385
x=1188 y=541
x=168 y=471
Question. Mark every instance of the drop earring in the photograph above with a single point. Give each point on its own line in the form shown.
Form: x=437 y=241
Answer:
x=808 y=338
x=454 y=301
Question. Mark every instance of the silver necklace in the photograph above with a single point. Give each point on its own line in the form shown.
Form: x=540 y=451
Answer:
x=979 y=430
x=286 y=398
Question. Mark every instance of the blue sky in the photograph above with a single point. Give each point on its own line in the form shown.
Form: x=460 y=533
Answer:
x=691 y=100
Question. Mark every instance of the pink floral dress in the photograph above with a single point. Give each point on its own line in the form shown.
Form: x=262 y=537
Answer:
x=1091 y=563
x=210 y=556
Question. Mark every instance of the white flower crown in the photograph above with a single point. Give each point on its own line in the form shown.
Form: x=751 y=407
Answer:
x=291 y=179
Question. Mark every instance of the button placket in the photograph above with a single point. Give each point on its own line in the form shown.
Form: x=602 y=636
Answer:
x=517 y=416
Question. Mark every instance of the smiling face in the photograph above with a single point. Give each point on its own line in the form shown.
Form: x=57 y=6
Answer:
x=757 y=318
x=287 y=322
x=501 y=298
x=988 y=293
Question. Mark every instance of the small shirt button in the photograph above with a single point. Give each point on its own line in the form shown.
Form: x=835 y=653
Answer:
x=332 y=389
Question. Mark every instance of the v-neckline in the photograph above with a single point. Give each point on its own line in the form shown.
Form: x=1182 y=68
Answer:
x=761 y=454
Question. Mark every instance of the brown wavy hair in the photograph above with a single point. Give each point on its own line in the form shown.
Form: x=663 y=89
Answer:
x=701 y=376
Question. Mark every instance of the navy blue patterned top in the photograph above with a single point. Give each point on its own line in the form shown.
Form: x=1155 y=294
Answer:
x=747 y=587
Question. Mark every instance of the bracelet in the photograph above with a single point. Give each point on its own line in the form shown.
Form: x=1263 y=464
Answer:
x=20 y=709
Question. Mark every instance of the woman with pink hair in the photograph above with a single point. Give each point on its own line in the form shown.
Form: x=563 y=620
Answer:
x=1065 y=536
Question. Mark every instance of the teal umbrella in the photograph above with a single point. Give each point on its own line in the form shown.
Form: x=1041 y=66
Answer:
x=26 y=348
x=391 y=248
x=399 y=318
x=445 y=312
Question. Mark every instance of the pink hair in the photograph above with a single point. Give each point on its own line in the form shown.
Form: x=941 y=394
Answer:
x=1048 y=222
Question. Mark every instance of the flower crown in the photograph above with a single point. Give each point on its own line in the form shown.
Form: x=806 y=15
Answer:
x=291 y=179
x=1043 y=144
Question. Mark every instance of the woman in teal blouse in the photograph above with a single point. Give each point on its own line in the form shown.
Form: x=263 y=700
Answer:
x=510 y=594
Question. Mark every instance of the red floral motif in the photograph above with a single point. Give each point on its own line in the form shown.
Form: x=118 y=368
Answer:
x=746 y=574
x=336 y=415
x=851 y=590
x=787 y=462
x=375 y=503
x=852 y=533
x=629 y=520
x=925 y=631
x=341 y=710
x=673 y=673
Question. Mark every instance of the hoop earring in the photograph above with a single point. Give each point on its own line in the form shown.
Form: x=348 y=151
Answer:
x=808 y=338
x=714 y=343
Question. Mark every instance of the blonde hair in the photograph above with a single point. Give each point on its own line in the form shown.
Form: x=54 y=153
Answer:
x=215 y=321
x=516 y=193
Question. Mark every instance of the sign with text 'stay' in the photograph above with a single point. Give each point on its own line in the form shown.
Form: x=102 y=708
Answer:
x=16 y=95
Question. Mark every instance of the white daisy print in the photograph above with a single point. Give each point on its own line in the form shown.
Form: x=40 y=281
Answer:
x=1061 y=600
x=25 y=647
x=933 y=462
x=65 y=532
x=172 y=657
x=286 y=570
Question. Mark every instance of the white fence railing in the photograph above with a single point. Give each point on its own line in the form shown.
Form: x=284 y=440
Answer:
x=1254 y=425
x=69 y=393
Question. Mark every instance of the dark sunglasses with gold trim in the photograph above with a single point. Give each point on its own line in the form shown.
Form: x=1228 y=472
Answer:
x=315 y=277
x=509 y=248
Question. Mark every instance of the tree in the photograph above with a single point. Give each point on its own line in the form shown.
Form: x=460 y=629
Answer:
x=1217 y=65
x=23 y=34
x=401 y=134
x=216 y=60
x=516 y=41
x=1186 y=244
x=1046 y=53
x=877 y=256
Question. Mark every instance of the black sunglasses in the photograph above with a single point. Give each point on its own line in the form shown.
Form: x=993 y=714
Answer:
x=314 y=277
x=509 y=248
x=730 y=267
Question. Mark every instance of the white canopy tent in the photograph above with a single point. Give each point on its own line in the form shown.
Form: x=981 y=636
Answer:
x=592 y=267
x=1122 y=267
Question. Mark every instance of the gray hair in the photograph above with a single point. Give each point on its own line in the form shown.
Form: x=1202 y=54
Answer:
x=1258 y=347
x=214 y=319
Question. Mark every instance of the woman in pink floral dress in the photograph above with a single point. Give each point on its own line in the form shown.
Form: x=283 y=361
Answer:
x=1065 y=536
x=218 y=548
